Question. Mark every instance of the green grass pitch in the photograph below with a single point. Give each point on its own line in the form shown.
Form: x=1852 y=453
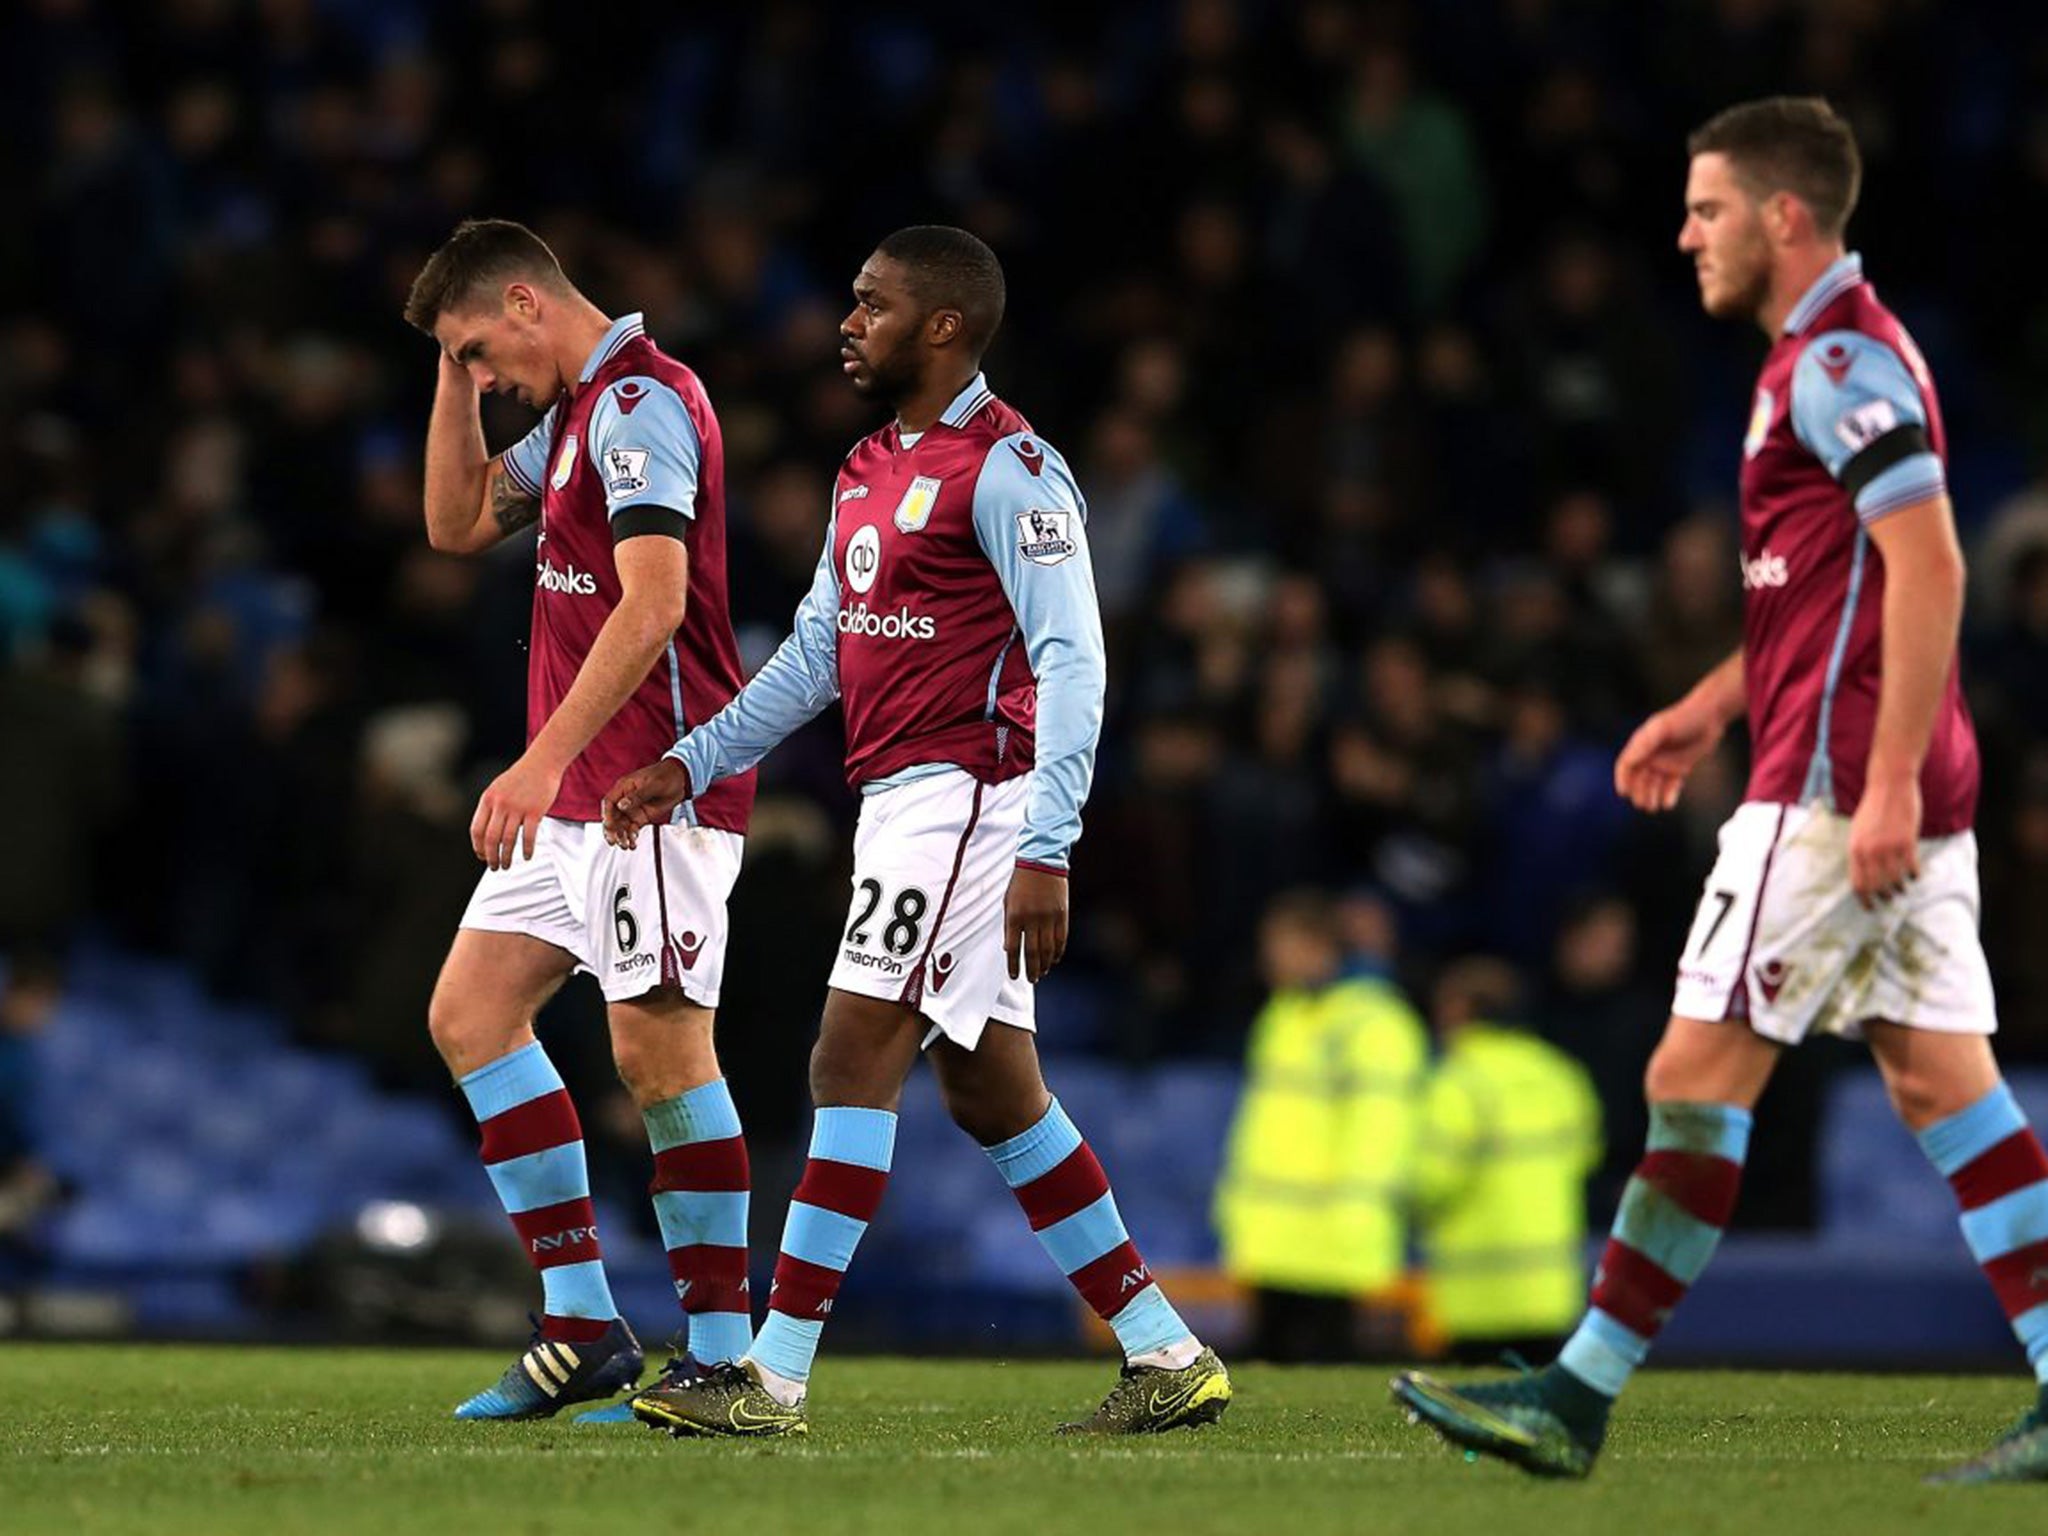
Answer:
x=167 y=1440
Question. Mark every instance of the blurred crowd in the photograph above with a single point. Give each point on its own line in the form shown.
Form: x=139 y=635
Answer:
x=1409 y=458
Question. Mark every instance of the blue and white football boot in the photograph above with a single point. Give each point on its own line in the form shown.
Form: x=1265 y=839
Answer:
x=552 y=1374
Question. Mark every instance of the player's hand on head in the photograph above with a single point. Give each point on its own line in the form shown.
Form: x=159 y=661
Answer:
x=1884 y=840
x=1035 y=921
x=643 y=797
x=510 y=811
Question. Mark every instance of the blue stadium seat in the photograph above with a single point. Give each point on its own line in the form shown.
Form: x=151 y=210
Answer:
x=1874 y=1182
x=196 y=1134
x=1072 y=1010
x=1169 y=1229
x=1096 y=1097
x=1002 y=1251
x=2030 y=1087
x=940 y=1180
x=103 y=1229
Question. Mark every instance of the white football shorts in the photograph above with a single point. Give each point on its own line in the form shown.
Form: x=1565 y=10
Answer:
x=932 y=861
x=1781 y=941
x=633 y=918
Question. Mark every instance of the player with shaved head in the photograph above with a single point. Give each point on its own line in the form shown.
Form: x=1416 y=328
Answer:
x=953 y=617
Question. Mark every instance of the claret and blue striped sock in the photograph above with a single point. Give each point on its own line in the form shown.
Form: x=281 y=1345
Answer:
x=842 y=1185
x=1995 y=1163
x=533 y=1151
x=1067 y=1199
x=700 y=1190
x=1672 y=1215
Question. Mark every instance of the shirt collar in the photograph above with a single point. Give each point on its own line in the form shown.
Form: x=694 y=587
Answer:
x=1843 y=273
x=967 y=402
x=623 y=330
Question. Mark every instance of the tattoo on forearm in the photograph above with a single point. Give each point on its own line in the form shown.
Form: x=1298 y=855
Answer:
x=511 y=506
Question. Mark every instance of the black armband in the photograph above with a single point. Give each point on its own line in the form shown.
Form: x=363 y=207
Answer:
x=1881 y=453
x=634 y=521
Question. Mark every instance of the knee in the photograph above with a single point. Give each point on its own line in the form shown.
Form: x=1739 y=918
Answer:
x=840 y=1077
x=1920 y=1098
x=662 y=1046
x=1697 y=1063
x=457 y=1030
x=1677 y=1075
x=1665 y=1080
x=994 y=1108
x=636 y=1067
x=1932 y=1076
x=980 y=1113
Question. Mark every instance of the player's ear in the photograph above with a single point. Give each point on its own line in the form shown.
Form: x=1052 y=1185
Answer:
x=943 y=327
x=1782 y=213
x=521 y=300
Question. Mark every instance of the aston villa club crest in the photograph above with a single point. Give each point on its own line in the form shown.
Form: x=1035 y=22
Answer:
x=915 y=509
x=565 y=463
x=1759 y=423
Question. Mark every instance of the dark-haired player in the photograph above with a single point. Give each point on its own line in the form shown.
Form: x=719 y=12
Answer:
x=631 y=643
x=1844 y=898
x=953 y=616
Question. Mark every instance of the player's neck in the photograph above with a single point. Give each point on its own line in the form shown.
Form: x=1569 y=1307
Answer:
x=1795 y=278
x=915 y=415
x=583 y=327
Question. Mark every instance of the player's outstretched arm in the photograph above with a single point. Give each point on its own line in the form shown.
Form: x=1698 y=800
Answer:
x=1665 y=748
x=793 y=685
x=472 y=499
x=643 y=798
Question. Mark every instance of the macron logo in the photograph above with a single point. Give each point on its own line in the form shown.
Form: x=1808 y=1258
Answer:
x=1770 y=979
x=689 y=946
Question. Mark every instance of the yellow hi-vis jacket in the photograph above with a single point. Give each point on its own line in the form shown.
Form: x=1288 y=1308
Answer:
x=1510 y=1130
x=1314 y=1178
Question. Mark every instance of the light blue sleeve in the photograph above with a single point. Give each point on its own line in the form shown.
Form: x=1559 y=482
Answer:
x=800 y=679
x=526 y=461
x=1848 y=390
x=644 y=447
x=1032 y=525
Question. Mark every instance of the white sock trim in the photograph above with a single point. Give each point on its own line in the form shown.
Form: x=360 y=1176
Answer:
x=1172 y=1357
x=785 y=1390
